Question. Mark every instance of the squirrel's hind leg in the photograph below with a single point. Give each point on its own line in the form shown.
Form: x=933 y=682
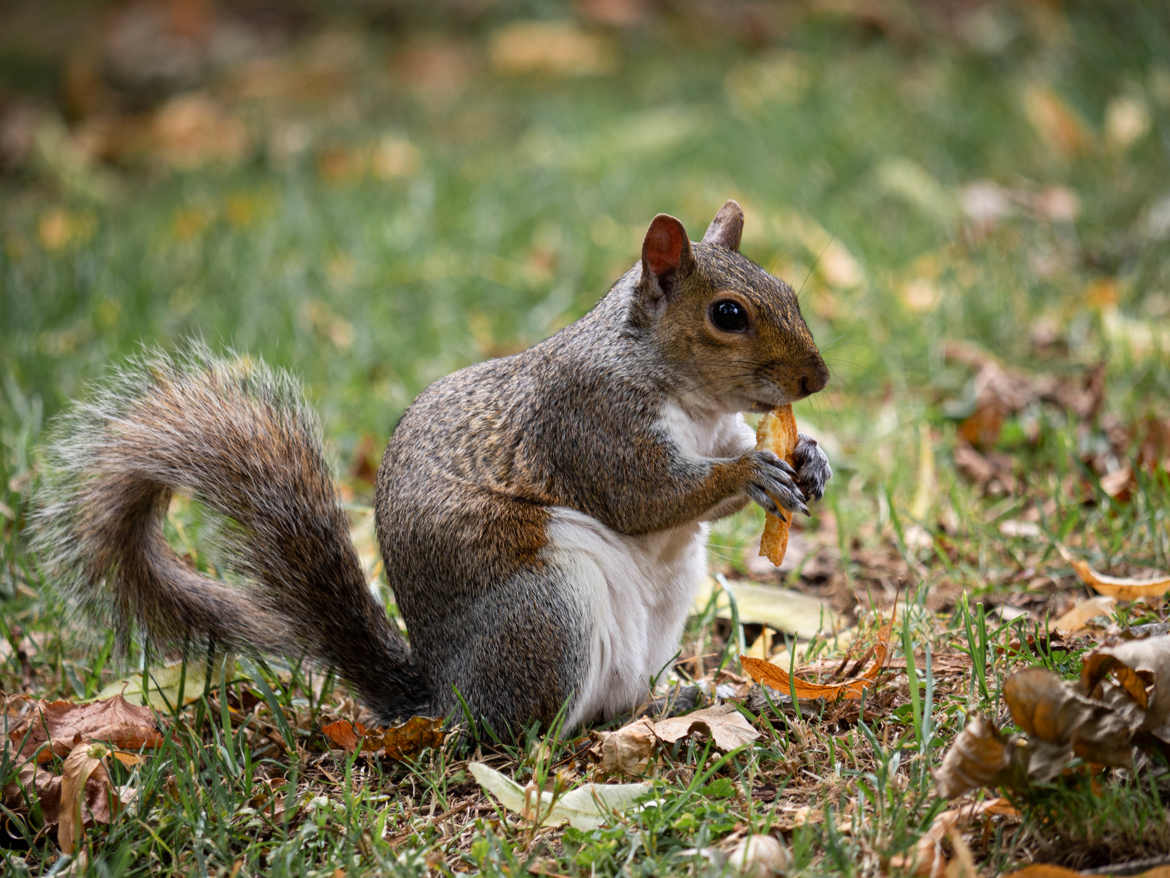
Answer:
x=526 y=666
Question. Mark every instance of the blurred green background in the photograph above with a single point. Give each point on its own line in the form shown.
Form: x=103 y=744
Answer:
x=373 y=194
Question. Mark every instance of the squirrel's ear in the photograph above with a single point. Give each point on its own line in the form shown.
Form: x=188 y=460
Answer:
x=666 y=252
x=727 y=227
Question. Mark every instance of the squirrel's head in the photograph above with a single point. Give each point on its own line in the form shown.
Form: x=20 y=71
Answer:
x=732 y=327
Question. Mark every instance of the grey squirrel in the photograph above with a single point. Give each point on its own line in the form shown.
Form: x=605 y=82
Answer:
x=541 y=516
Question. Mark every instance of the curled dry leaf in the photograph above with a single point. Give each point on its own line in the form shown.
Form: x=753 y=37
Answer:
x=722 y=723
x=1142 y=669
x=61 y=724
x=629 y=749
x=1053 y=712
x=1120 y=587
x=980 y=757
x=929 y=858
x=397 y=742
x=1078 y=618
x=83 y=802
x=777 y=678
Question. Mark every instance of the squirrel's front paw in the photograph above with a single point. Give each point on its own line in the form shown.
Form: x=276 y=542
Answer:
x=773 y=484
x=812 y=467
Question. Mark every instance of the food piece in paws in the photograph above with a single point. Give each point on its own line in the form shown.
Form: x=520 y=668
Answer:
x=777 y=433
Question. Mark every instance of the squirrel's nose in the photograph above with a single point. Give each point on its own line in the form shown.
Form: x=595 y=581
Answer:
x=815 y=378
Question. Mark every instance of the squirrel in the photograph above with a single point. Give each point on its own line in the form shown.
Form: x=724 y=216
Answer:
x=542 y=516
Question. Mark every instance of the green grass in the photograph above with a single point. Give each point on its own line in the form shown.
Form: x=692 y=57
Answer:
x=527 y=197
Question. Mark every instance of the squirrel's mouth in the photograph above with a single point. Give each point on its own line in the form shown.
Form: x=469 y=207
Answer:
x=761 y=408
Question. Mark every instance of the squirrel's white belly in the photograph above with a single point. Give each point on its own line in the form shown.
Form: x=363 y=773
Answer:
x=636 y=591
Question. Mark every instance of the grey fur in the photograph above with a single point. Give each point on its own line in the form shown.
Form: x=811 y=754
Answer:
x=470 y=478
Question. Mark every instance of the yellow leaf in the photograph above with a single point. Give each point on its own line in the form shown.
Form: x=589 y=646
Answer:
x=1079 y=616
x=1120 y=587
x=1061 y=128
x=551 y=47
x=777 y=678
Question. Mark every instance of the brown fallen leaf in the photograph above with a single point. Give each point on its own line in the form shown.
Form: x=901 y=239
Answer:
x=1142 y=669
x=980 y=757
x=722 y=723
x=1059 y=126
x=1001 y=392
x=1051 y=710
x=777 y=678
x=1122 y=588
x=1078 y=618
x=627 y=750
x=31 y=783
x=62 y=724
x=558 y=48
x=1048 y=870
x=81 y=805
x=929 y=858
x=399 y=742
x=1121 y=701
x=344 y=734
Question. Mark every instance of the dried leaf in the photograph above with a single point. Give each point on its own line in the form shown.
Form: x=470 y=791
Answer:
x=42 y=785
x=627 y=750
x=81 y=805
x=1120 y=587
x=62 y=724
x=1078 y=618
x=399 y=742
x=1061 y=129
x=929 y=858
x=192 y=130
x=344 y=734
x=722 y=723
x=979 y=757
x=411 y=737
x=776 y=677
x=1142 y=668
x=1120 y=484
x=59 y=228
x=586 y=807
x=1048 y=870
x=549 y=47
x=1051 y=710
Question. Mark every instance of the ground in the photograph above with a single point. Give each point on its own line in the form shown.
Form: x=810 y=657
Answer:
x=972 y=202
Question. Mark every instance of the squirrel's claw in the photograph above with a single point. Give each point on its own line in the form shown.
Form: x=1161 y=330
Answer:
x=773 y=485
x=812 y=467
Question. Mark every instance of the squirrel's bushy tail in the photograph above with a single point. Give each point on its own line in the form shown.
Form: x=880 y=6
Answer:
x=238 y=438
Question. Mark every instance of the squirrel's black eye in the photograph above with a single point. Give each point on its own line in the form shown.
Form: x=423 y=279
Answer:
x=729 y=316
